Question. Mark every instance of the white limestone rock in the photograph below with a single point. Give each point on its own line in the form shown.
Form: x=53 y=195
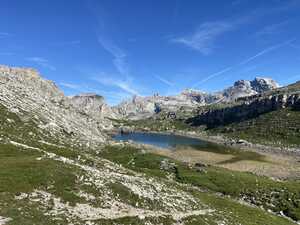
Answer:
x=25 y=92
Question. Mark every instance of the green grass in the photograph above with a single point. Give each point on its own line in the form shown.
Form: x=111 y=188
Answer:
x=137 y=221
x=281 y=127
x=155 y=124
x=261 y=191
x=20 y=171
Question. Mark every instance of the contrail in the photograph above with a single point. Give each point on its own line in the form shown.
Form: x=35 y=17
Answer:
x=267 y=50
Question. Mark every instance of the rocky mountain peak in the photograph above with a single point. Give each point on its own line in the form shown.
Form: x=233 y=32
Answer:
x=242 y=88
x=190 y=91
x=242 y=84
x=90 y=95
x=260 y=84
x=189 y=98
x=92 y=104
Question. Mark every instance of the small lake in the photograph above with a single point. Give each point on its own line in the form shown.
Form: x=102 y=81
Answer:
x=174 y=142
x=170 y=141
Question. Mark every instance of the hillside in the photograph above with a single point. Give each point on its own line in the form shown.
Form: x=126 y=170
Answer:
x=279 y=128
x=26 y=93
x=43 y=182
x=270 y=118
x=58 y=166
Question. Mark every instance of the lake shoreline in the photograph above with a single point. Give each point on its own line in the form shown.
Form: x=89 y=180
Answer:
x=226 y=142
x=277 y=166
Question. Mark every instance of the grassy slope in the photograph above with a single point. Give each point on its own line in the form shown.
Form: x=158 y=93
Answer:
x=20 y=171
x=262 y=191
x=281 y=127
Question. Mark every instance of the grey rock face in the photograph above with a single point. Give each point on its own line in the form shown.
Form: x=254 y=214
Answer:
x=244 y=88
x=143 y=107
x=93 y=105
x=25 y=92
x=251 y=107
x=263 y=84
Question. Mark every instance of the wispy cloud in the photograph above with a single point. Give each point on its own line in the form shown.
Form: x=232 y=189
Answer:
x=165 y=81
x=213 y=76
x=42 y=62
x=4 y=34
x=121 y=84
x=70 y=85
x=261 y=53
x=272 y=29
x=294 y=46
x=203 y=39
x=119 y=55
x=265 y=51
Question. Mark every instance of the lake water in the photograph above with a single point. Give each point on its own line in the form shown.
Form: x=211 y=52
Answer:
x=161 y=140
x=173 y=142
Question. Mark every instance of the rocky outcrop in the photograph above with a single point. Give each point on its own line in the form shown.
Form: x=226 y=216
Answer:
x=26 y=93
x=263 y=84
x=250 y=108
x=93 y=105
x=242 y=88
x=189 y=99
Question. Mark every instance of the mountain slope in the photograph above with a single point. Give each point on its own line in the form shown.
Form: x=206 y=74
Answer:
x=42 y=182
x=55 y=169
x=280 y=127
x=26 y=93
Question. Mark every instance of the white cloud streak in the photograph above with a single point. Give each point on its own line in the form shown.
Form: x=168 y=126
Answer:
x=123 y=85
x=271 y=29
x=165 y=81
x=203 y=39
x=42 y=62
x=213 y=76
x=261 y=53
x=4 y=34
x=265 y=51
x=70 y=85
x=119 y=55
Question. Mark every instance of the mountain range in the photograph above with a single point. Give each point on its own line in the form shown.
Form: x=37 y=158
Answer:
x=59 y=164
x=142 y=107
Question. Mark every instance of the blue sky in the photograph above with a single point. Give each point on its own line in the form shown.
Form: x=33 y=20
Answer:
x=122 y=48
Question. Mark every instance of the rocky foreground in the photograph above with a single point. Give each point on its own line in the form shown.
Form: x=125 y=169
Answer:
x=58 y=166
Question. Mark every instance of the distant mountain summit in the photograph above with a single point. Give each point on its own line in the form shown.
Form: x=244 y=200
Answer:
x=93 y=104
x=87 y=114
x=242 y=88
x=140 y=107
